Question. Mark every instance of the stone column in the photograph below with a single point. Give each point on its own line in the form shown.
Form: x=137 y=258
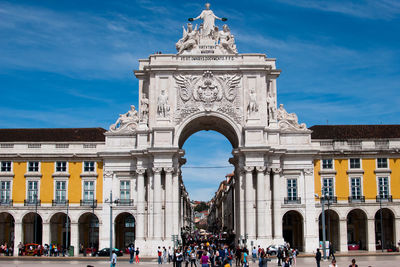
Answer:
x=267 y=206
x=175 y=201
x=17 y=236
x=343 y=234
x=260 y=202
x=140 y=226
x=396 y=230
x=311 y=232
x=249 y=197
x=241 y=219
x=150 y=204
x=169 y=214
x=46 y=235
x=277 y=206
x=157 y=204
x=75 y=237
x=371 y=234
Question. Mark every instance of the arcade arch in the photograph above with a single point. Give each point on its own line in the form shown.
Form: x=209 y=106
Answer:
x=388 y=228
x=88 y=225
x=357 y=228
x=331 y=228
x=59 y=230
x=124 y=230
x=32 y=227
x=6 y=228
x=292 y=227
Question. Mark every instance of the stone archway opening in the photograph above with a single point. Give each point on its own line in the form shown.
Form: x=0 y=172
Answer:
x=292 y=228
x=387 y=230
x=60 y=234
x=331 y=228
x=32 y=226
x=88 y=225
x=6 y=228
x=357 y=229
x=124 y=230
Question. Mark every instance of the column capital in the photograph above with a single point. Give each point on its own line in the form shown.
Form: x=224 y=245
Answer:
x=276 y=170
x=308 y=171
x=248 y=169
x=260 y=168
x=140 y=170
x=169 y=170
x=108 y=174
x=157 y=169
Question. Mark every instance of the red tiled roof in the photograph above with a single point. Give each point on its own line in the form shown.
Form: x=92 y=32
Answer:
x=53 y=135
x=342 y=132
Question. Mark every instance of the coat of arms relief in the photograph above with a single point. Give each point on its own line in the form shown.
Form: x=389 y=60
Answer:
x=208 y=92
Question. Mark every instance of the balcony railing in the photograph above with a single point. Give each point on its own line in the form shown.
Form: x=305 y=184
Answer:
x=356 y=199
x=329 y=200
x=32 y=202
x=60 y=202
x=387 y=198
x=292 y=200
x=125 y=202
x=6 y=202
x=89 y=202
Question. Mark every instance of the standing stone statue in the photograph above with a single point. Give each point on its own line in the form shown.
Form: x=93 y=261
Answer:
x=162 y=104
x=208 y=18
x=252 y=107
x=144 y=108
x=271 y=107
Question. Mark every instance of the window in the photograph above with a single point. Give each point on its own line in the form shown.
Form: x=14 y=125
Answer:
x=33 y=166
x=88 y=191
x=292 y=189
x=355 y=164
x=327 y=187
x=327 y=164
x=32 y=191
x=125 y=190
x=382 y=163
x=88 y=166
x=355 y=188
x=5 y=166
x=383 y=187
x=61 y=191
x=61 y=166
x=5 y=192
x=130 y=222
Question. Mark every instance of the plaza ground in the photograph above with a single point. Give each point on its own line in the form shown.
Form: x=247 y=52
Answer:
x=342 y=261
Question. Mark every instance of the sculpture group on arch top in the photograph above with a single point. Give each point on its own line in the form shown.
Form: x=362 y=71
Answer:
x=208 y=91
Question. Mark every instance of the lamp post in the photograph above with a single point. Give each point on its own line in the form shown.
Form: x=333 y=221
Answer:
x=111 y=202
x=381 y=219
x=323 y=224
x=329 y=221
x=92 y=227
x=35 y=222
x=67 y=228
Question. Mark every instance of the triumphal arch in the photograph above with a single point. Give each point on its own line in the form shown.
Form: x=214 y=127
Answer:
x=209 y=85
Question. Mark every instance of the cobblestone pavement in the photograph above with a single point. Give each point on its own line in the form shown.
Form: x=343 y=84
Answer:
x=362 y=261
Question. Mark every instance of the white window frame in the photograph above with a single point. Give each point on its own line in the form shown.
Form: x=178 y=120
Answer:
x=32 y=179
x=333 y=164
x=94 y=166
x=39 y=166
x=11 y=167
x=83 y=187
x=350 y=168
x=11 y=185
x=383 y=175
x=333 y=177
x=380 y=168
x=60 y=179
x=361 y=183
x=130 y=187
x=66 y=166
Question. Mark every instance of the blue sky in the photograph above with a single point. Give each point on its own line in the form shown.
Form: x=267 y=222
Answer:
x=69 y=63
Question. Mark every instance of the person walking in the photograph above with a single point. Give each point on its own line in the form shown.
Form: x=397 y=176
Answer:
x=204 y=260
x=131 y=253
x=159 y=254
x=165 y=255
x=279 y=255
x=353 y=263
x=113 y=259
x=332 y=251
x=286 y=262
x=245 y=260
x=318 y=257
x=137 y=255
x=254 y=254
x=333 y=264
x=179 y=258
